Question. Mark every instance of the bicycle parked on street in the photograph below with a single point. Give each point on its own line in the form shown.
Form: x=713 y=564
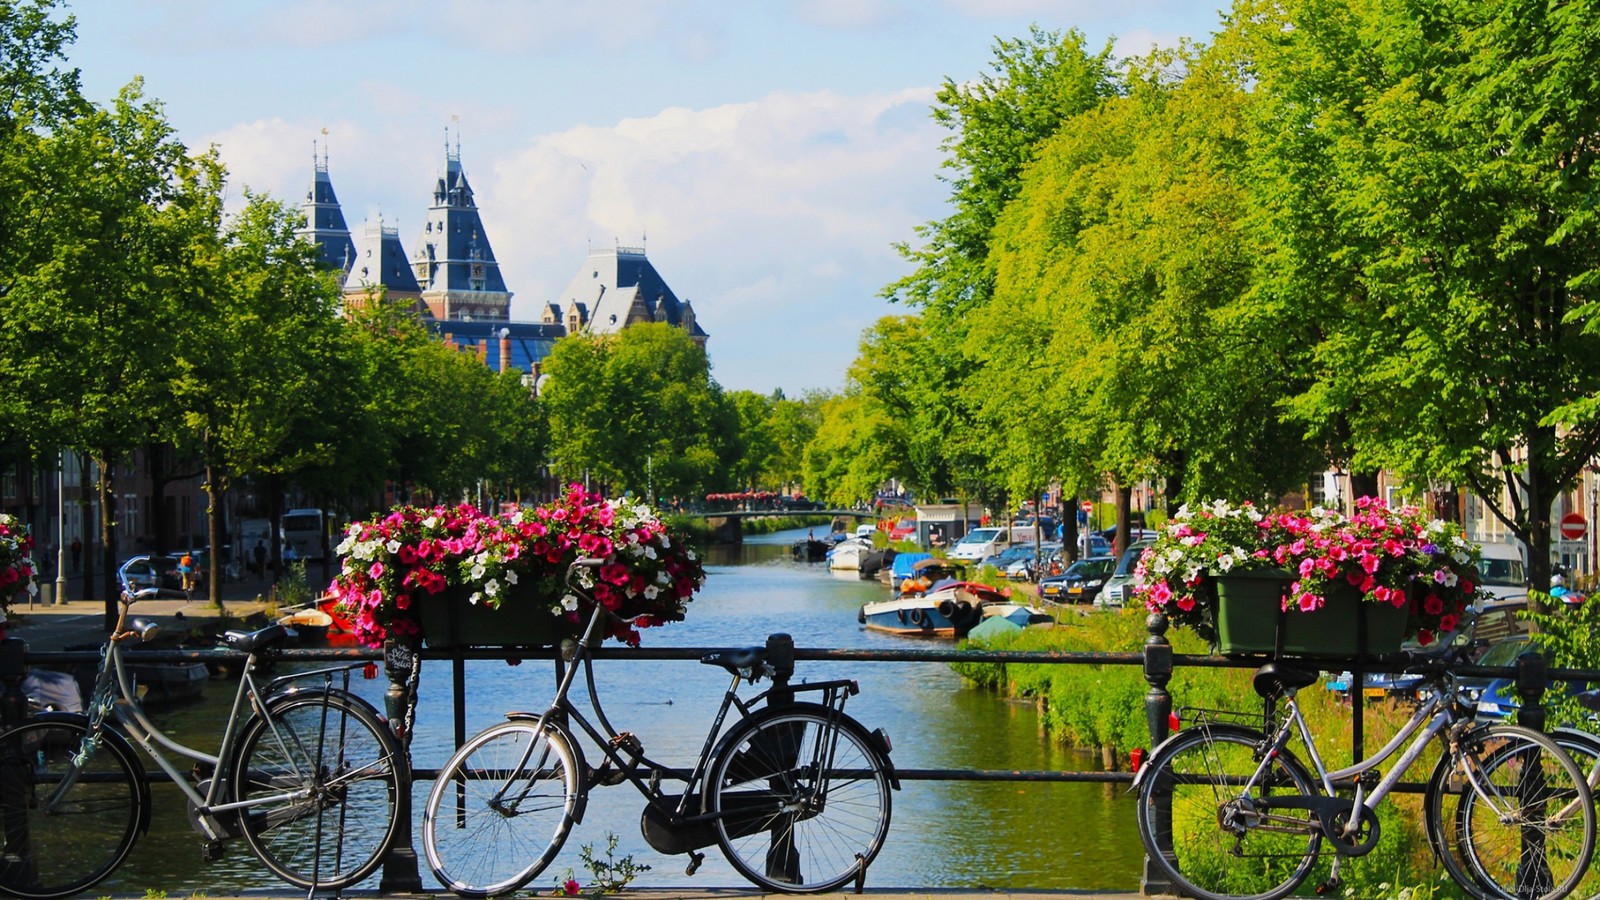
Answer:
x=1228 y=811
x=794 y=792
x=307 y=775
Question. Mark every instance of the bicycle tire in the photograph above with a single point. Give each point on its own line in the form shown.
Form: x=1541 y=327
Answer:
x=1200 y=772
x=767 y=766
x=337 y=772
x=1443 y=805
x=74 y=846
x=1523 y=773
x=477 y=849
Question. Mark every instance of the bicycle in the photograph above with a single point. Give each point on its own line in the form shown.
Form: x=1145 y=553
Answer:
x=1225 y=811
x=308 y=776
x=795 y=793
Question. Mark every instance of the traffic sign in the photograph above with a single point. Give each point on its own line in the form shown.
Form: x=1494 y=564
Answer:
x=1573 y=526
x=1088 y=506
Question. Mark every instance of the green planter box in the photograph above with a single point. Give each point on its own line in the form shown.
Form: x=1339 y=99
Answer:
x=521 y=620
x=1248 y=614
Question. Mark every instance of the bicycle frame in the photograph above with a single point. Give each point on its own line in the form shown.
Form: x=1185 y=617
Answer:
x=112 y=683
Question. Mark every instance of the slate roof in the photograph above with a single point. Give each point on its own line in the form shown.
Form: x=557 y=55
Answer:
x=618 y=282
x=454 y=252
x=325 y=219
x=530 y=341
x=380 y=260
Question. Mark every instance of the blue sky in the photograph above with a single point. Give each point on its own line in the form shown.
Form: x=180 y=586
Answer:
x=768 y=154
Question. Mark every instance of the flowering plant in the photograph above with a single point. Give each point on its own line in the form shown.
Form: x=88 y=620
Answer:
x=1386 y=556
x=1216 y=538
x=16 y=559
x=1392 y=556
x=410 y=556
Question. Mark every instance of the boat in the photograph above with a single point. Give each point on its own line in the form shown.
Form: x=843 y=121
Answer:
x=848 y=554
x=809 y=550
x=159 y=683
x=949 y=610
x=312 y=625
x=877 y=561
x=340 y=623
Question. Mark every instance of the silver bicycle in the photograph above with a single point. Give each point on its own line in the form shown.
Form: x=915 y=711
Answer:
x=308 y=776
x=1228 y=811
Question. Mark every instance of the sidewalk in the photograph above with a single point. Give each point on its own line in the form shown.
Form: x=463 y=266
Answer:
x=57 y=626
x=648 y=893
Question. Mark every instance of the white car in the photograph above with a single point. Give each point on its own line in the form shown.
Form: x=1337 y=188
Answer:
x=980 y=543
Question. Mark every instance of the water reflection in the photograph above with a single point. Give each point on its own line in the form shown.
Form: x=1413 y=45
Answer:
x=944 y=834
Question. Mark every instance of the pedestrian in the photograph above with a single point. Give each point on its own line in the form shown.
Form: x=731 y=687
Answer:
x=77 y=553
x=186 y=571
x=260 y=555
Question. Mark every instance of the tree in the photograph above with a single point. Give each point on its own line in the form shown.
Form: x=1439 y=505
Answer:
x=639 y=411
x=755 y=413
x=1442 y=157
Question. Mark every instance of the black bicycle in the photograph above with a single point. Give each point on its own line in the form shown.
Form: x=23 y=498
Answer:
x=795 y=792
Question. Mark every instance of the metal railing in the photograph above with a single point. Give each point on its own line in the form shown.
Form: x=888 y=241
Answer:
x=1156 y=659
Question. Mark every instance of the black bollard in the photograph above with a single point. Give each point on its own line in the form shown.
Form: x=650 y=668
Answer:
x=402 y=663
x=1157 y=711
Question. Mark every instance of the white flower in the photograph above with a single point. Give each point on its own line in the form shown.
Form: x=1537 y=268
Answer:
x=689 y=554
x=491 y=587
x=569 y=602
x=650 y=553
x=665 y=541
x=511 y=577
x=430 y=522
x=476 y=596
x=651 y=591
x=477 y=571
x=663 y=578
x=393 y=546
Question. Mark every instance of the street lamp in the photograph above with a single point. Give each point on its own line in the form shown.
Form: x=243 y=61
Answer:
x=61 y=527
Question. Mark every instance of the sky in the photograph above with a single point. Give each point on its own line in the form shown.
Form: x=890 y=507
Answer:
x=768 y=154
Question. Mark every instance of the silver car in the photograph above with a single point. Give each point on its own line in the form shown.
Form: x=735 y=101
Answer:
x=1120 y=585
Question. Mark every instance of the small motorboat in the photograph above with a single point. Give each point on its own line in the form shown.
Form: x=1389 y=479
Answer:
x=809 y=550
x=949 y=610
x=312 y=625
x=848 y=554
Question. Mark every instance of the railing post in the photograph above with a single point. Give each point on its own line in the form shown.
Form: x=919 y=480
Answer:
x=402 y=661
x=1532 y=675
x=1157 y=711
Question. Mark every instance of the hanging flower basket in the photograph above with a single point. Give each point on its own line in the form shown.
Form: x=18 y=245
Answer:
x=449 y=619
x=16 y=561
x=1250 y=619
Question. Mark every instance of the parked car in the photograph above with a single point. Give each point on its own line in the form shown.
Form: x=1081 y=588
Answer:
x=1007 y=556
x=1080 y=583
x=903 y=530
x=1117 y=588
x=1497 y=697
x=1491 y=628
x=1504 y=574
x=980 y=543
x=150 y=571
x=1026 y=565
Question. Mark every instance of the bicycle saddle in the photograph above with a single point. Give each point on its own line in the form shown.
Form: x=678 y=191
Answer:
x=737 y=661
x=1277 y=678
x=251 y=641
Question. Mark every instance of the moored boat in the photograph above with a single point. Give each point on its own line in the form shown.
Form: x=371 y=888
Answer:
x=947 y=611
x=848 y=554
x=809 y=550
x=311 y=624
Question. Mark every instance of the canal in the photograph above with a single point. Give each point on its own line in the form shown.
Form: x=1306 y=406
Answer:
x=1001 y=835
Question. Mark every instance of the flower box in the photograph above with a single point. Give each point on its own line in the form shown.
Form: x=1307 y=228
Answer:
x=1250 y=617
x=522 y=620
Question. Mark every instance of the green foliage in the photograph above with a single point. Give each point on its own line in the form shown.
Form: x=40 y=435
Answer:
x=607 y=874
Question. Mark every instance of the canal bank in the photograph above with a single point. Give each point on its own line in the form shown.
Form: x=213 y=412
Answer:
x=945 y=835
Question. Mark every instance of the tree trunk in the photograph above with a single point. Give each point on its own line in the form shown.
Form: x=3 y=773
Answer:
x=1069 y=529
x=214 y=490
x=1123 y=498
x=86 y=526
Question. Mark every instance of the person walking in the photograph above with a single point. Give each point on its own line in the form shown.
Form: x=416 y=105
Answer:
x=186 y=571
x=260 y=556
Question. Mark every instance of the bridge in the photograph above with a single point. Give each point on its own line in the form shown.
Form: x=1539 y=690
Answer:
x=728 y=527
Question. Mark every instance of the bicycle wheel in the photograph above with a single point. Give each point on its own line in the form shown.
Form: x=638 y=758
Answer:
x=1525 y=823
x=1208 y=825
x=323 y=779
x=802 y=798
x=501 y=808
x=60 y=846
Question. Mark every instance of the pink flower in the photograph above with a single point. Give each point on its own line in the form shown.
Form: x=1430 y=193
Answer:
x=570 y=887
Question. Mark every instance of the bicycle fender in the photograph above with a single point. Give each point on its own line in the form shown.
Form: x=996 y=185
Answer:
x=577 y=756
x=1162 y=749
x=118 y=743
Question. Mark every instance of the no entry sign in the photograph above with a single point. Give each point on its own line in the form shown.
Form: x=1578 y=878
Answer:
x=1573 y=526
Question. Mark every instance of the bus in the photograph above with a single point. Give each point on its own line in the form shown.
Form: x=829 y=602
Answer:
x=302 y=530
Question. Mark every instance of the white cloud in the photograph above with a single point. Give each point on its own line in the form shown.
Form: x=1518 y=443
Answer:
x=775 y=215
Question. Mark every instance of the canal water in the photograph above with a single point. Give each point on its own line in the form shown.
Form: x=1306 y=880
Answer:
x=1001 y=835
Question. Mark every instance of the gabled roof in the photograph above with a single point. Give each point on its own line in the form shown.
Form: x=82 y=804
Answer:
x=529 y=342
x=620 y=286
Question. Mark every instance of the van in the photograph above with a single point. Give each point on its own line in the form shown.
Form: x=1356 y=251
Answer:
x=980 y=543
x=1504 y=573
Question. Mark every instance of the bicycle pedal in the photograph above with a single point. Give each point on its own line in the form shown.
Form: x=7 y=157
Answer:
x=1329 y=886
x=211 y=851
x=695 y=859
